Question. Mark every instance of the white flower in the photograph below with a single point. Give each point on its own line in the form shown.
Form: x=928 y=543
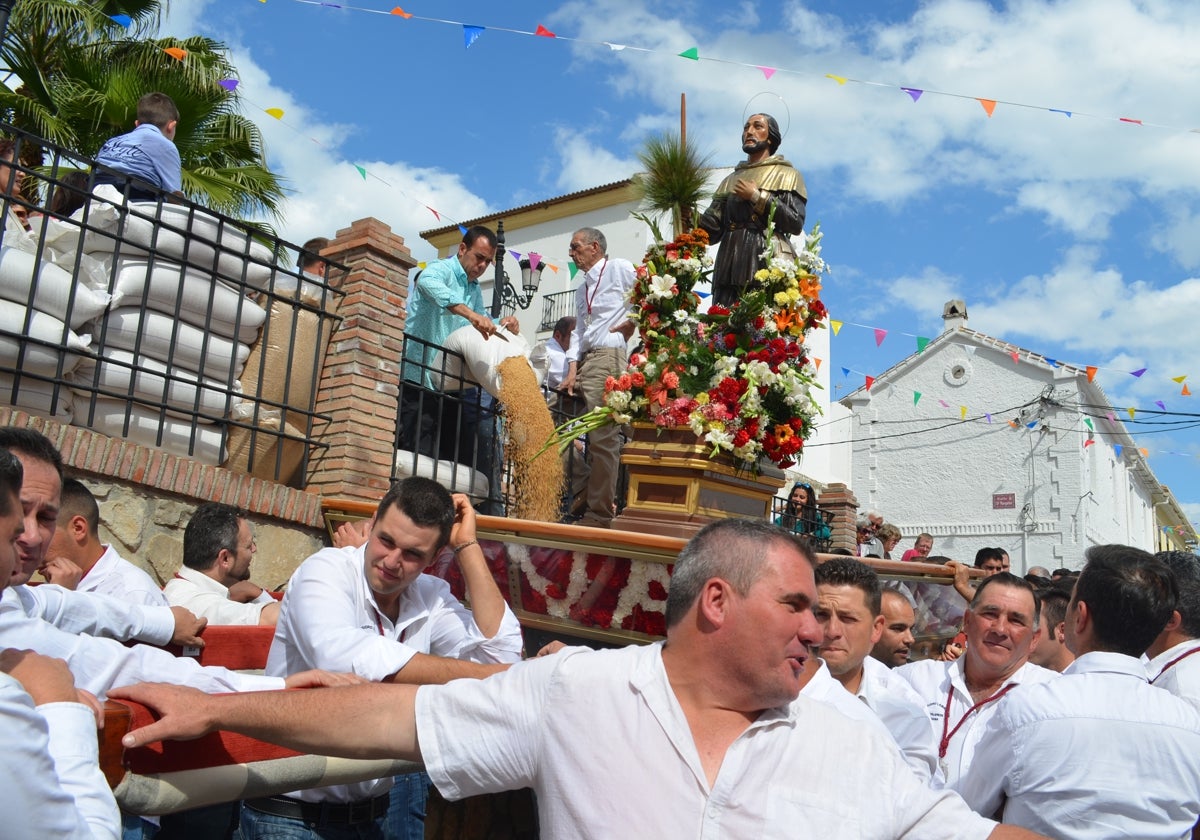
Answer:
x=681 y=315
x=724 y=366
x=617 y=400
x=719 y=439
x=661 y=286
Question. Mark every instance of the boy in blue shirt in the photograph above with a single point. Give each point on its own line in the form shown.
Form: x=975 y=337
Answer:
x=145 y=158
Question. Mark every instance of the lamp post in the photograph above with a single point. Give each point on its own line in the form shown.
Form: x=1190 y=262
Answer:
x=503 y=292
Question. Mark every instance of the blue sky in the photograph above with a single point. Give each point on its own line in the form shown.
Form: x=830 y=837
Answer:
x=1077 y=237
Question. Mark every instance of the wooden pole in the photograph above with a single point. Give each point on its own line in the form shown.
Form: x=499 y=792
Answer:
x=683 y=120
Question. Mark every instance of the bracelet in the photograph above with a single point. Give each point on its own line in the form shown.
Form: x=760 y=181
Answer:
x=456 y=549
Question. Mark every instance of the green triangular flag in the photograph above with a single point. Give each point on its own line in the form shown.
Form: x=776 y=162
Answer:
x=921 y=344
x=361 y=171
x=1088 y=422
x=574 y=269
x=916 y=397
x=693 y=54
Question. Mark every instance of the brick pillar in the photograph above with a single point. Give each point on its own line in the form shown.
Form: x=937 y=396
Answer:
x=359 y=385
x=839 y=500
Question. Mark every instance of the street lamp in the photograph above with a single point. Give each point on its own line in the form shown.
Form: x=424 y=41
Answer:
x=504 y=294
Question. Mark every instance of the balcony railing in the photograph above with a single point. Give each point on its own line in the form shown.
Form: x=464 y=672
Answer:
x=158 y=321
x=555 y=306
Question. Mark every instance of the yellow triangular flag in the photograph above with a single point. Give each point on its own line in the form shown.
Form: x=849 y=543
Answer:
x=836 y=326
x=1179 y=379
x=1132 y=412
x=841 y=80
x=277 y=113
x=962 y=412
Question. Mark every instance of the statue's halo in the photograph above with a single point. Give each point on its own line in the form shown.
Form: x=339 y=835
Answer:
x=787 y=111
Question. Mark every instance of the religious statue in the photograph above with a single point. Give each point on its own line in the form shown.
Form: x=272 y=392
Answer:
x=737 y=218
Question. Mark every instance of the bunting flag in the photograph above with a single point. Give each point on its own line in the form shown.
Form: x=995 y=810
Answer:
x=943 y=404
x=1030 y=425
x=1112 y=418
x=1160 y=404
x=989 y=417
x=471 y=35
x=516 y=255
x=176 y=53
x=544 y=32
x=1087 y=421
x=1132 y=412
x=277 y=113
x=692 y=52
x=962 y=412
x=1012 y=423
x=766 y=71
x=572 y=269
x=361 y=171
x=435 y=213
x=845 y=371
x=836 y=326
x=1145 y=453
x=535 y=260
x=1067 y=114
x=970 y=348
x=121 y=20
x=1052 y=362
x=841 y=80
x=1016 y=357
x=462 y=229
x=989 y=105
x=1088 y=443
x=1137 y=374
x=1129 y=120
x=916 y=397
x=398 y=12
x=1185 y=392
x=1091 y=373
x=870 y=382
x=229 y=84
x=922 y=343
x=1178 y=380
x=915 y=93
x=1117 y=449
x=421 y=265
x=880 y=335
x=817 y=363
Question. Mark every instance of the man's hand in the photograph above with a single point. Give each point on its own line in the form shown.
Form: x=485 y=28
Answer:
x=90 y=700
x=62 y=572
x=510 y=323
x=187 y=628
x=746 y=190
x=317 y=678
x=463 y=529
x=626 y=328
x=244 y=591
x=352 y=534
x=482 y=324
x=962 y=579
x=182 y=710
x=568 y=383
x=551 y=648
x=44 y=678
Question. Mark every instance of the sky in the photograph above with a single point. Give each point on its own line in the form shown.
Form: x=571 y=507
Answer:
x=1068 y=219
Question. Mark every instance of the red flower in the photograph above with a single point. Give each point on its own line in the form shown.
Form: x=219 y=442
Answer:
x=730 y=341
x=658 y=592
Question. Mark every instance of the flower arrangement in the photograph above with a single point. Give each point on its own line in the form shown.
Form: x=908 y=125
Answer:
x=740 y=377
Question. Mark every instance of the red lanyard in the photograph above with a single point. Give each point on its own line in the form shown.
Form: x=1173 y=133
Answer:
x=379 y=626
x=1174 y=662
x=595 y=289
x=948 y=733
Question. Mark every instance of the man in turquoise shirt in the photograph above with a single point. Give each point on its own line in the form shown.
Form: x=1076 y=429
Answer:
x=444 y=298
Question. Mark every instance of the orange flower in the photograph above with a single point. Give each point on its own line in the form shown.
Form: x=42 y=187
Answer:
x=784 y=433
x=784 y=319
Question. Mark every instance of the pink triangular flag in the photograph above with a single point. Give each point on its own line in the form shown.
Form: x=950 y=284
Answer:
x=435 y=213
x=766 y=71
x=1016 y=357
x=880 y=335
x=535 y=260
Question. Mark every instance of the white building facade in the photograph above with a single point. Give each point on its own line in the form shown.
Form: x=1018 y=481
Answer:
x=982 y=443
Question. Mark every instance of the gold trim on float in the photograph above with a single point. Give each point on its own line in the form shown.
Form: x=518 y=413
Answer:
x=564 y=627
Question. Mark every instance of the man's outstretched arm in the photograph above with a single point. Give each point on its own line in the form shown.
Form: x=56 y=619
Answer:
x=364 y=721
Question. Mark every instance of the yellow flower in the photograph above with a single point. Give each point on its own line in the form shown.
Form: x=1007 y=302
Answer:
x=702 y=398
x=781 y=298
x=761 y=275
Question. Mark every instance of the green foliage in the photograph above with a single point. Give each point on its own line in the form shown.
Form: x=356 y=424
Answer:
x=673 y=178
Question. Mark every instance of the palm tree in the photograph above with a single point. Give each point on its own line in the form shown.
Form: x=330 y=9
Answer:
x=81 y=75
x=673 y=178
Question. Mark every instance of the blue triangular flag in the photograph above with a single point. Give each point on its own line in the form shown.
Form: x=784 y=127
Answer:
x=845 y=371
x=123 y=20
x=462 y=230
x=471 y=35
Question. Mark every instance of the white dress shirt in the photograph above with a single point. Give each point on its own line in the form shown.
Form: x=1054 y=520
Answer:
x=602 y=737
x=100 y=664
x=601 y=303
x=94 y=613
x=50 y=780
x=1177 y=670
x=1096 y=754
x=329 y=619
x=209 y=599
x=824 y=688
x=114 y=575
x=549 y=361
x=937 y=683
x=903 y=714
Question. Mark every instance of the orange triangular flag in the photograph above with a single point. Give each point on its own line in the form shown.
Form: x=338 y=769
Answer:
x=1091 y=372
x=176 y=53
x=817 y=364
x=989 y=105
x=1145 y=453
x=401 y=13
x=1185 y=392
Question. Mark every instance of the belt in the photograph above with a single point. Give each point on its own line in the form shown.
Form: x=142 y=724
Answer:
x=322 y=813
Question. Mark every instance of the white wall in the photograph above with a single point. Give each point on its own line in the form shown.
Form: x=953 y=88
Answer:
x=941 y=475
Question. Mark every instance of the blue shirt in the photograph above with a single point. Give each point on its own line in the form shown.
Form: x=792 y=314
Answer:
x=441 y=284
x=145 y=154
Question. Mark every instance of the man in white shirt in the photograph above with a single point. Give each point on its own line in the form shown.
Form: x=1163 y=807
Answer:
x=50 y=779
x=214 y=581
x=1098 y=753
x=703 y=736
x=848 y=610
x=896 y=640
x=549 y=358
x=1175 y=655
x=599 y=350
x=76 y=559
x=370 y=610
x=1001 y=624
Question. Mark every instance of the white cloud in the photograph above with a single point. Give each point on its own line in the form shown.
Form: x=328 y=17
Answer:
x=585 y=165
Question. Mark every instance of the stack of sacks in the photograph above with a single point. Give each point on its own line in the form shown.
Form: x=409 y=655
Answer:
x=43 y=315
x=177 y=334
